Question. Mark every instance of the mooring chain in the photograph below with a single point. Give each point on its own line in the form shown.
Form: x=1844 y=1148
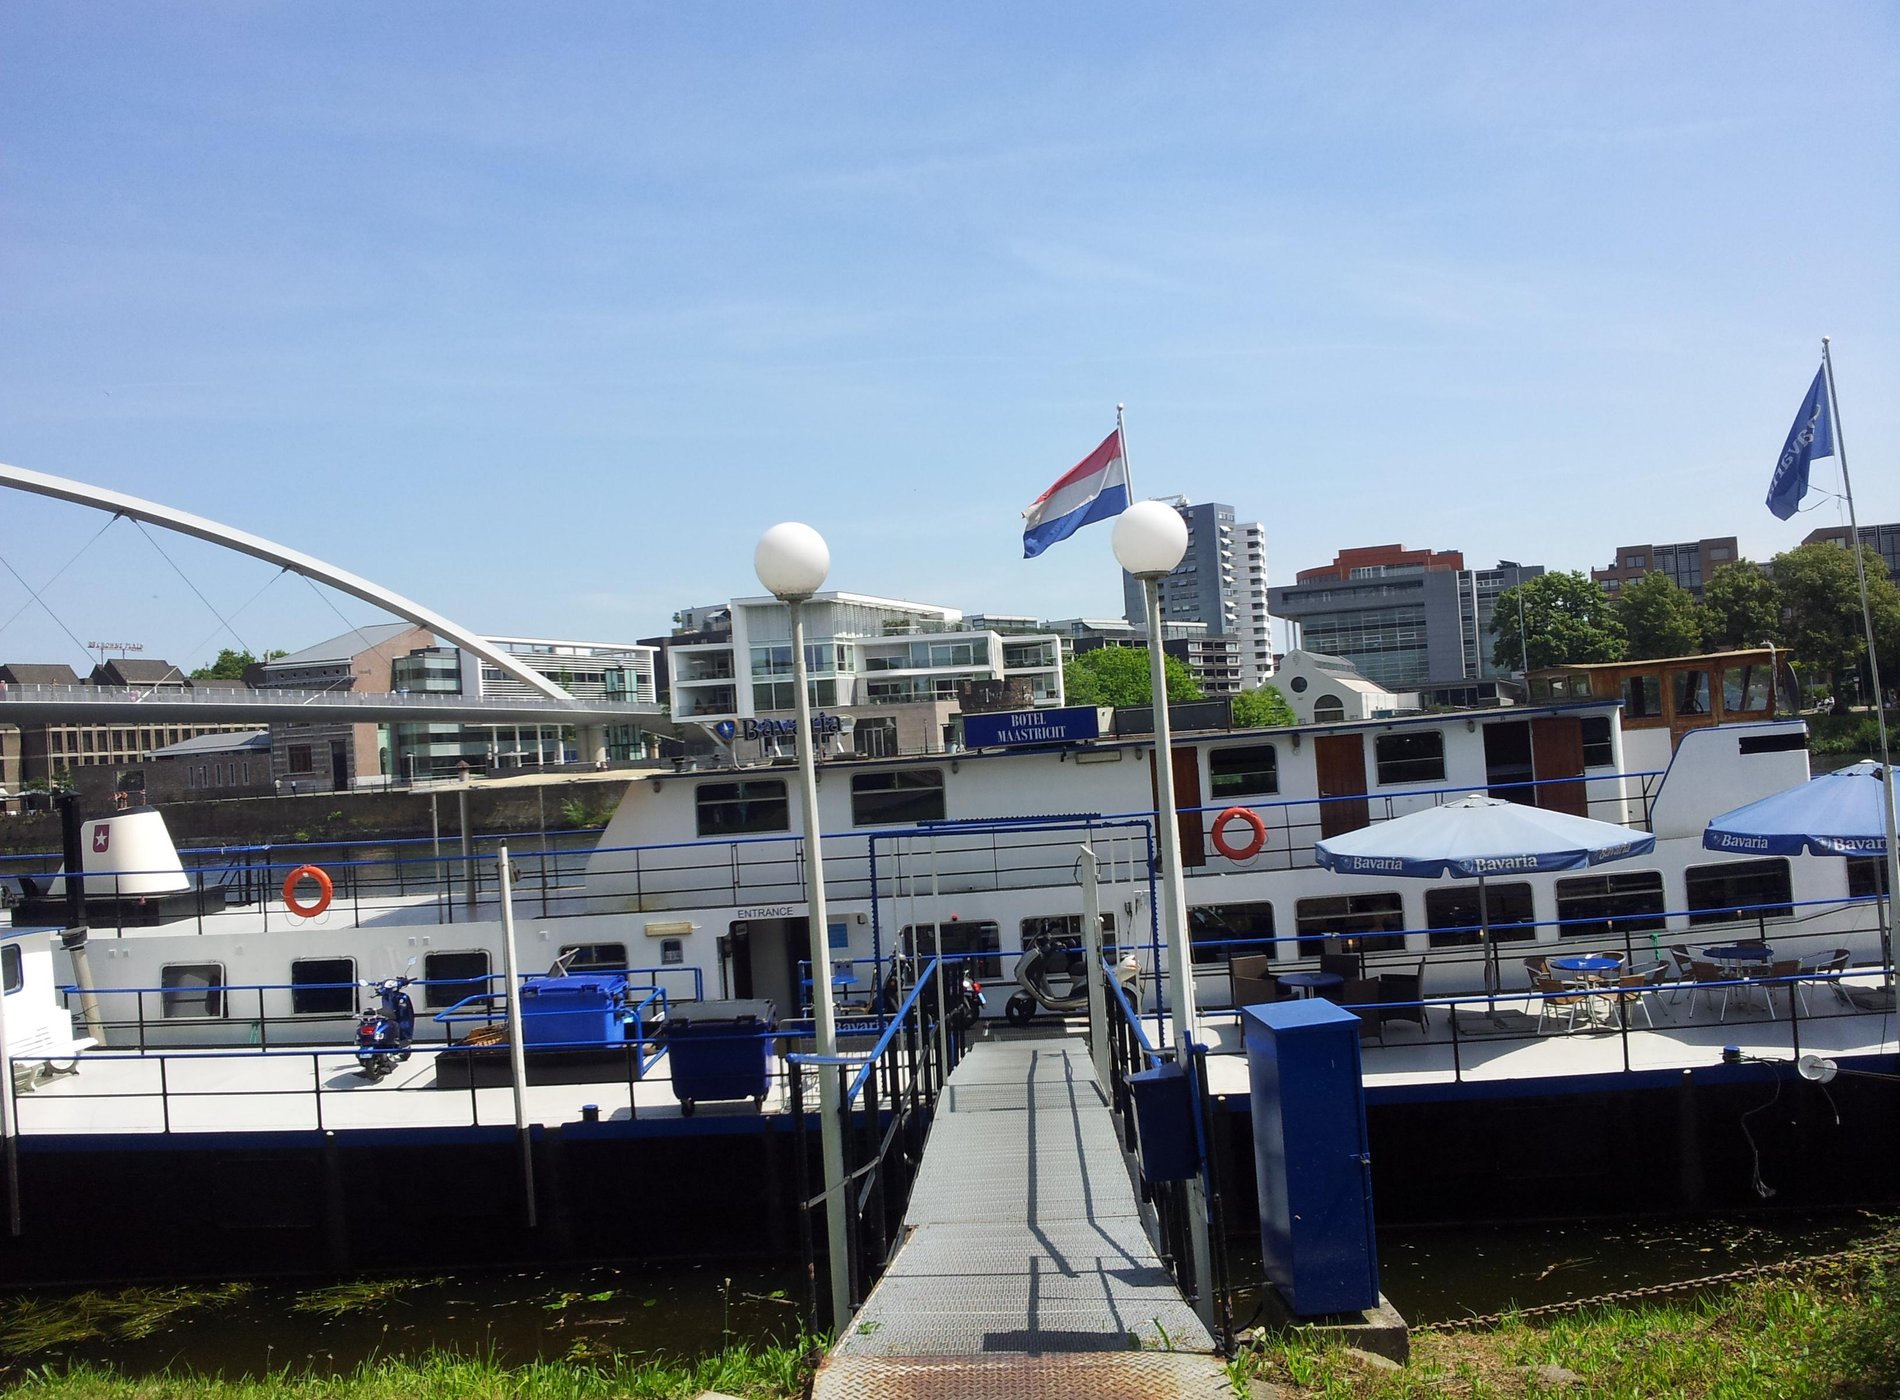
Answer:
x=1659 y=1290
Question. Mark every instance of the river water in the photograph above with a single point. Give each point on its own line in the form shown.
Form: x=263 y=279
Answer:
x=1430 y=1275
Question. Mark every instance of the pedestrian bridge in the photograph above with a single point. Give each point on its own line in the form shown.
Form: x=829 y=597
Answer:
x=212 y=704
x=1025 y=1268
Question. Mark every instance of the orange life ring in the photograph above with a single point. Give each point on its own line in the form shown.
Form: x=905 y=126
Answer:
x=297 y=877
x=1255 y=841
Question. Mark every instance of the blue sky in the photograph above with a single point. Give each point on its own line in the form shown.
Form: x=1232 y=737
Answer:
x=541 y=314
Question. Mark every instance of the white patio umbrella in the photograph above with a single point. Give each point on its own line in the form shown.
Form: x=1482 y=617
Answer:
x=1477 y=836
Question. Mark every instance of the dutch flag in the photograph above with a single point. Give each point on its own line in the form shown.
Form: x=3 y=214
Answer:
x=1095 y=488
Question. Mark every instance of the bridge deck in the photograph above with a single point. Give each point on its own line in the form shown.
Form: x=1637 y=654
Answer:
x=1025 y=1270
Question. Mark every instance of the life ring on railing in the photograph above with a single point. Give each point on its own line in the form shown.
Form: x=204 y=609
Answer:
x=1255 y=841
x=324 y=891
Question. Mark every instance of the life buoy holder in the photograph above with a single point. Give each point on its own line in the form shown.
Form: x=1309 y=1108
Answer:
x=324 y=891
x=1256 y=839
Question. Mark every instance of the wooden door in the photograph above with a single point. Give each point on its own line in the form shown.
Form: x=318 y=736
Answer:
x=1557 y=753
x=1187 y=800
x=1339 y=767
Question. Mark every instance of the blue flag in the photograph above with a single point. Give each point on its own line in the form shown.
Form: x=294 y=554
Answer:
x=1811 y=436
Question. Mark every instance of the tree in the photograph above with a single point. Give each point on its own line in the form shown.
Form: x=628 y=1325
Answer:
x=1660 y=619
x=1820 y=598
x=230 y=665
x=1265 y=708
x=1119 y=676
x=1740 y=607
x=1566 y=618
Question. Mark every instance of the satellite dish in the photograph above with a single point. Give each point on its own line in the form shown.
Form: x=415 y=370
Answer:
x=1816 y=1067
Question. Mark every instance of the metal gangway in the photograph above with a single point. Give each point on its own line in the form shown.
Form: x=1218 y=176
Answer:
x=1025 y=1269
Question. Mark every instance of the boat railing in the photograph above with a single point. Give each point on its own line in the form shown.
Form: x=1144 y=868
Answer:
x=885 y=1094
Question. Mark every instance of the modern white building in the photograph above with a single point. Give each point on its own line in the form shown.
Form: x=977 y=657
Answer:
x=892 y=674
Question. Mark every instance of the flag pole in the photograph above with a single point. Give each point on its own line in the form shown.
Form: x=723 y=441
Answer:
x=1121 y=439
x=1873 y=664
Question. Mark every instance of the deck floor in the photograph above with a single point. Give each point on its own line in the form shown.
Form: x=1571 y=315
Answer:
x=1025 y=1269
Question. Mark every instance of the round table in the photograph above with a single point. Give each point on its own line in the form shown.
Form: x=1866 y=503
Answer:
x=1311 y=982
x=1590 y=964
x=1745 y=953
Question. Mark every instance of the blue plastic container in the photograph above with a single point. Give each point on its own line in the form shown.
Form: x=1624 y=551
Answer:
x=580 y=1011
x=720 y=1050
x=1166 y=1143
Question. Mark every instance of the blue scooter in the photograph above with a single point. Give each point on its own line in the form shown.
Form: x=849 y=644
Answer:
x=383 y=1031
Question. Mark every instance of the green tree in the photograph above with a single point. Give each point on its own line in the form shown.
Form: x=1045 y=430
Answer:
x=1265 y=708
x=1566 y=618
x=1119 y=676
x=230 y=665
x=1740 y=607
x=1820 y=598
x=1659 y=618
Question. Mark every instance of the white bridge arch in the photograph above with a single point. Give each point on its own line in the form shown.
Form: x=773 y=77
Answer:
x=132 y=507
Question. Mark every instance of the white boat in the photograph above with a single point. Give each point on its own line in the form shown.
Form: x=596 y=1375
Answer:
x=698 y=882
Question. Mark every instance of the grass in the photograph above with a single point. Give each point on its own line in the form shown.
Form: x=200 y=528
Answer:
x=1830 y=1330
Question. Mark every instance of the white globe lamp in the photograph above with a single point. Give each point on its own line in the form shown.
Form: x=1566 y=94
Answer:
x=1150 y=539
x=792 y=560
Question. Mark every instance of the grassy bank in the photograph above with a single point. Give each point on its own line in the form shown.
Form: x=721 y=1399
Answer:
x=1823 y=1329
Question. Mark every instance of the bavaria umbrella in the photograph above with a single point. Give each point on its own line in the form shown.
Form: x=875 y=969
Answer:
x=1478 y=836
x=1843 y=813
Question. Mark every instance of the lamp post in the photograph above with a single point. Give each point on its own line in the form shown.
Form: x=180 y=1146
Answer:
x=791 y=561
x=1150 y=539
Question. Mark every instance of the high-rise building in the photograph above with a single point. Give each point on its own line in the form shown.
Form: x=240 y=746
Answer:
x=1220 y=582
x=1688 y=565
x=1368 y=606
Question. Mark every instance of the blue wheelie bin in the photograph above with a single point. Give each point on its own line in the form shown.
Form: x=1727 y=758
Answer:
x=720 y=1050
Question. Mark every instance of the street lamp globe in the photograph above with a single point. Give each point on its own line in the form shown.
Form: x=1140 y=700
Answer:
x=1150 y=538
x=792 y=560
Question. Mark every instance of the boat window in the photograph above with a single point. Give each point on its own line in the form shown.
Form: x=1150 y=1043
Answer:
x=1608 y=902
x=594 y=957
x=1741 y=889
x=1642 y=697
x=1456 y=921
x=1866 y=877
x=449 y=977
x=901 y=797
x=1417 y=756
x=322 y=985
x=1218 y=932
x=192 y=989
x=733 y=809
x=1691 y=692
x=1063 y=926
x=1374 y=920
x=1745 y=689
x=1598 y=751
x=1244 y=771
x=12 y=977
x=963 y=939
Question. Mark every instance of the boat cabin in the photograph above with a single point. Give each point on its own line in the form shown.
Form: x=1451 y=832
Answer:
x=1674 y=694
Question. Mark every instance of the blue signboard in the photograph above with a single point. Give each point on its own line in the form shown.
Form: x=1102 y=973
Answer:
x=1017 y=728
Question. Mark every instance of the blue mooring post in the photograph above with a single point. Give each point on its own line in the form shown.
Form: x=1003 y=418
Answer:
x=1312 y=1167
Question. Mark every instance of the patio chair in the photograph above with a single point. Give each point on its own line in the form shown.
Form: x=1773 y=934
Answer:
x=1251 y=983
x=1706 y=979
x=1346 y=965
x=1406 y=993
x=1684 y=977
x=1361 y=996
x=1633 y=989
x=1559 y=999
x=1783 y=976
x=1829 y=966
x=1534 y=968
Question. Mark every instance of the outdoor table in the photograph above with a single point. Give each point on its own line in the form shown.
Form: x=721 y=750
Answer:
x=1590 y=969
x=1741 y=961
x=1311 y=982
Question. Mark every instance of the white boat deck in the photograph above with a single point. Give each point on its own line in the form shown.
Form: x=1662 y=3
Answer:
x=307 y=1089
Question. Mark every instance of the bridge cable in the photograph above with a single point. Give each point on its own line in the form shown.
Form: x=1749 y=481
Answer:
x=210 y=636
x=330 y=603
x=189 y=584
x=33 y=594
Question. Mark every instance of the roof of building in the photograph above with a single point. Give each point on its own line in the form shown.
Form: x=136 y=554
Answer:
x=205 y=745
x=124 y=670
x=344 y=647
x=39 y=673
